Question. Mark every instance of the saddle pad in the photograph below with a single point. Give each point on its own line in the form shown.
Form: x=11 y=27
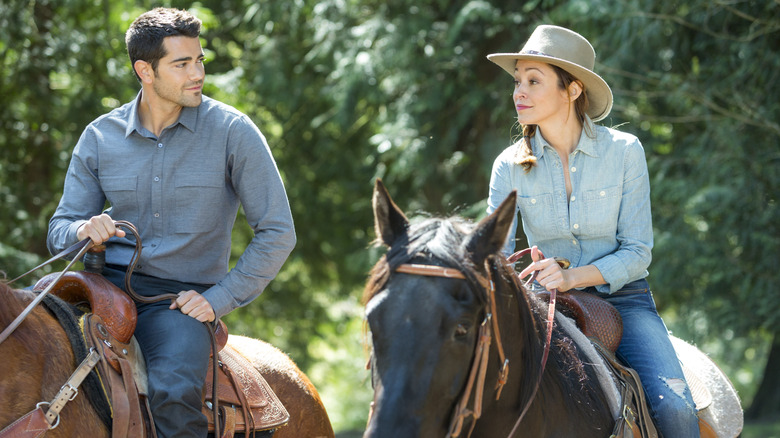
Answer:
x=724 y=413
x=238 y=374
x=702 y=397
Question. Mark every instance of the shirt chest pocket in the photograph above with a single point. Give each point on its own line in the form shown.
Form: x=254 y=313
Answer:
x=197 y=201
x=602 y=209
x=538 y=214
x=121 y=192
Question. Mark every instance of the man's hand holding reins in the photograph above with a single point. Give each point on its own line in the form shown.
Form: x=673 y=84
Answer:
x=193 y=304
x=99 y=229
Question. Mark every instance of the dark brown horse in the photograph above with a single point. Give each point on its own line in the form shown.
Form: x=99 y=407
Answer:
x=424 y=330
x=443 y=294
x=38 y=359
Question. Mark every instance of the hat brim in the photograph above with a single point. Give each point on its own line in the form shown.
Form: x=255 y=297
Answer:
x=599 y=93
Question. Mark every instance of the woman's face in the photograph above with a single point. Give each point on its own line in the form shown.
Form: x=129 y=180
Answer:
x=538 y=96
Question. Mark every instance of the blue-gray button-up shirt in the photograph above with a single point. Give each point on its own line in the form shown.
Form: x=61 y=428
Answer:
x=606 y=222
x=182 y=191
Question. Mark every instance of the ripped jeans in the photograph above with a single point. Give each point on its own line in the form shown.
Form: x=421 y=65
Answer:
x=646 y=348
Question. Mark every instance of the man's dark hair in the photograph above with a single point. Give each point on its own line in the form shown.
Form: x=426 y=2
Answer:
x=144 y=38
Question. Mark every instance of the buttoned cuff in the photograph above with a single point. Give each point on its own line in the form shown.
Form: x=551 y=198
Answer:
x=220 y=299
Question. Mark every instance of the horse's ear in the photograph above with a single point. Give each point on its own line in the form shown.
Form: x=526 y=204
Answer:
x=490 y=234
x=389 y=220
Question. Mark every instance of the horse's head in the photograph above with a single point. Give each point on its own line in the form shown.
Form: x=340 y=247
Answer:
x=424 y=328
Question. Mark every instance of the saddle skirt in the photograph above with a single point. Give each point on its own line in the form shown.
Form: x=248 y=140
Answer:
x=246 y=401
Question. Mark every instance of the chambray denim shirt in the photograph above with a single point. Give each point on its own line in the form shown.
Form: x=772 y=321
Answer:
x=182 y=191
x=606 y=222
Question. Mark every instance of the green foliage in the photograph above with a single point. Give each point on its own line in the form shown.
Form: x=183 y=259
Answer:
x=350 y=90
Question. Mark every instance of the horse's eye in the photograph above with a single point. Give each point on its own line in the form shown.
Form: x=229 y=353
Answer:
x=461 y=330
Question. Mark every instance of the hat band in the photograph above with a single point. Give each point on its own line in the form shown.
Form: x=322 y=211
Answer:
x=534 y=52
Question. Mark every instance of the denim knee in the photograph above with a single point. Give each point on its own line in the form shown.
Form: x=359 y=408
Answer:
x=674 y=413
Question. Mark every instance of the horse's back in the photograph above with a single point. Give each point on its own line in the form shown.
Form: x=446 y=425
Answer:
x=724 y=413
x=308 y=417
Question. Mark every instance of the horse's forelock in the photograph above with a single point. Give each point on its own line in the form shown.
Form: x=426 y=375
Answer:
x=433 y=238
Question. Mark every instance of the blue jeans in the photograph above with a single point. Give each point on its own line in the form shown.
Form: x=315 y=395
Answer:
x=176 y=348
x=646 y=348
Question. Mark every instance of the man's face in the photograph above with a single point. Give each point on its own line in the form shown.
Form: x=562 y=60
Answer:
x=179 y=75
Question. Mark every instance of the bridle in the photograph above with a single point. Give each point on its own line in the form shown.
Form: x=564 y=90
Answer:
x=488 y=328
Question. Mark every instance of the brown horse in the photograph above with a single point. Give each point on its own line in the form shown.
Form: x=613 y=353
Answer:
x=38 y=360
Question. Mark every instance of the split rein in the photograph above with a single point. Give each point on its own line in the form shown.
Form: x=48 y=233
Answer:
x=489 y=327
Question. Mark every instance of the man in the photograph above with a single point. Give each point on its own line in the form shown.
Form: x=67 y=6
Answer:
x=177 y=165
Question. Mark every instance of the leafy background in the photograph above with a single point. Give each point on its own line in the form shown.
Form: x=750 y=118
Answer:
x=350 y=90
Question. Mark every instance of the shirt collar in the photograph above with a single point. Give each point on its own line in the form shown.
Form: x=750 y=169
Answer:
x=586 y=145
x=134 y=122
x=187 y=118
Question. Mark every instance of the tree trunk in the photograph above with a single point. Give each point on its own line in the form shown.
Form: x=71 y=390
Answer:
x=766 y=403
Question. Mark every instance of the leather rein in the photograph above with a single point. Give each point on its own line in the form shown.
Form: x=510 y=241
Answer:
x=488 y=328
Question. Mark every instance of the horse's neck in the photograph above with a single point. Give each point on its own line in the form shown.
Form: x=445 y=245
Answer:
x=522 y=320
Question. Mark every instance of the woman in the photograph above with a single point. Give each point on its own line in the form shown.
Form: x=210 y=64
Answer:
x=584 y=194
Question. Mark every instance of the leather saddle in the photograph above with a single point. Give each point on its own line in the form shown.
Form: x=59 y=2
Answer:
x=246 y=401
x=594 y=316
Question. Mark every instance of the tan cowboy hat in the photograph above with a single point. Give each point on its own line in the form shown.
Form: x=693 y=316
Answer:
x=570 y=51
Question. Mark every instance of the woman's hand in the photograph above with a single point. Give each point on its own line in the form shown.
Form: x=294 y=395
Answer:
x=550 y=274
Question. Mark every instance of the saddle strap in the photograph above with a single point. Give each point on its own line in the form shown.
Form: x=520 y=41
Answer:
x=31 y=425
x=37 y=422
x=249 y=419
x=228 y=421
x=636 y=411
x=126 y=404
x=116 y=373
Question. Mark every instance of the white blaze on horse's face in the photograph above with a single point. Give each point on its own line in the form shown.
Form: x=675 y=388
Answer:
x=423 y=332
